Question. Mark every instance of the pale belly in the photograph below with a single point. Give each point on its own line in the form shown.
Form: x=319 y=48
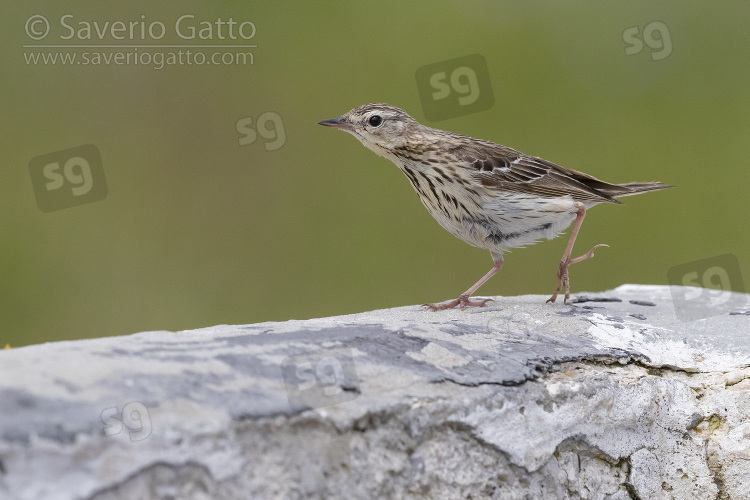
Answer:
x=511 y=220
x=494 y=220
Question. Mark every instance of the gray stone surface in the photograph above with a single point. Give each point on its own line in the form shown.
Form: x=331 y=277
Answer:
x=610 y=397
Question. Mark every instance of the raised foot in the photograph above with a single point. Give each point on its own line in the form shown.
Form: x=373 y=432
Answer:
x=563 y=277
x=462 y=301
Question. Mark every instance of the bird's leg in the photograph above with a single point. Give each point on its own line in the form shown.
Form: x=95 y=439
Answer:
x=563 y=279
x=464 y=300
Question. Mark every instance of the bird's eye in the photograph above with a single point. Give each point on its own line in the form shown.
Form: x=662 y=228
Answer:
x=375 y=120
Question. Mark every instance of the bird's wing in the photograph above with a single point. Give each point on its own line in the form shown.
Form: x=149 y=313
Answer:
x=500 y=167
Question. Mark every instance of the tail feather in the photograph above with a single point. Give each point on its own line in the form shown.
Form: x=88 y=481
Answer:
x=631 y=188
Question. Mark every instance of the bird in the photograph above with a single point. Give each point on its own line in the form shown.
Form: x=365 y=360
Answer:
x=486 y=194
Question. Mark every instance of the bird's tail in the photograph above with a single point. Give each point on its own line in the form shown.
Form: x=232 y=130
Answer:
x=631 y=188
x=641 y=187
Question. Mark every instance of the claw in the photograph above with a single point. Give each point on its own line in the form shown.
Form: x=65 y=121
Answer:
x=563 y=278
x=587 y=255
x=462 y=301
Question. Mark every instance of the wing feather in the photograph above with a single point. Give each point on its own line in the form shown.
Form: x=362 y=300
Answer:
x=501 y=167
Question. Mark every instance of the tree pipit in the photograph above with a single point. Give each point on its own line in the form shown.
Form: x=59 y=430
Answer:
x=490 y=196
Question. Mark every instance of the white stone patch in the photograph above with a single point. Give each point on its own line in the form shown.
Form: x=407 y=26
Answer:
x=555 y=388
x=651 y=341
x=439 y=356
x=652 y=292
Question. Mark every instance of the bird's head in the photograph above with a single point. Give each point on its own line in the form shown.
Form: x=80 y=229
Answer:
x=380 y=127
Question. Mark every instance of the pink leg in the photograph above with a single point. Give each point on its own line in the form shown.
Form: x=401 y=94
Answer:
x=562 y=274
x=463 y=300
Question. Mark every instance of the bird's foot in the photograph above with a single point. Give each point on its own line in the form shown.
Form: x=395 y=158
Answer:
x=463 y=301
x=563 y=277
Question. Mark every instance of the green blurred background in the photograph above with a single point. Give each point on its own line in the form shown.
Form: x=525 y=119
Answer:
x=198 y=230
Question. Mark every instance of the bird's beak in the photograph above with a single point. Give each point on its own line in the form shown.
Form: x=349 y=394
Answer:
x=339 y=122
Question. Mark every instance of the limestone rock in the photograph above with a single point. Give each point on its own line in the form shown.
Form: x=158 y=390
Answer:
x=613 y=396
